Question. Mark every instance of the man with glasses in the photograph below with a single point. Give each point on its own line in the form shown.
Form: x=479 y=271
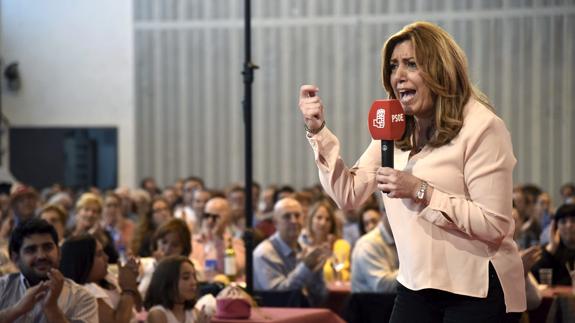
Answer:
x=281 y=265
x=208 y=247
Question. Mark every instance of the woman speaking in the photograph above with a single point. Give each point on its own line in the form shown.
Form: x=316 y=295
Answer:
x=449 y=201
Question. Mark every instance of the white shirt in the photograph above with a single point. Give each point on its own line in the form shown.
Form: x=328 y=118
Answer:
x=171 y=318
x=374 y=263
x=74 y=301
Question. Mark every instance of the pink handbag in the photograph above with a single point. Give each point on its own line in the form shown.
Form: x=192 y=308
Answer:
x=233 y=303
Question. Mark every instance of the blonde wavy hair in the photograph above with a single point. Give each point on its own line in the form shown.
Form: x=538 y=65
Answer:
x=89 y=199
x=443 y=67
x=335 y=225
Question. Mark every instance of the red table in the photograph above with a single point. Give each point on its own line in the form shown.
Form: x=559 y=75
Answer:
x=287 y=315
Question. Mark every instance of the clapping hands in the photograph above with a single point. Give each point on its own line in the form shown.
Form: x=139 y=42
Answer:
x=315 y=257
x=529 y=257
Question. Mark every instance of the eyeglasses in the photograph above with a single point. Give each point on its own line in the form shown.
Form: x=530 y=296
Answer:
x=214 y=216
x=160 y=209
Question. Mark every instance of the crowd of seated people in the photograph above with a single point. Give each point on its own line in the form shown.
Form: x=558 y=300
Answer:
x=94 y=256
x=545 y=236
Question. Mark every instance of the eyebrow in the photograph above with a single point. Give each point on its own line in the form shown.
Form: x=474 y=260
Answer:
x=37 y=245
x=403 y=59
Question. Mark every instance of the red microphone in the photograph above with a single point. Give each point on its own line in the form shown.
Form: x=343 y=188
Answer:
x=386 y=122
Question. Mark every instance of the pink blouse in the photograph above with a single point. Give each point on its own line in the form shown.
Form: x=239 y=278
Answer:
x=448 y=244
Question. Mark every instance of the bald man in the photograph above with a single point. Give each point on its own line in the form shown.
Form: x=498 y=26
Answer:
x=277 y=266
x=214 y=233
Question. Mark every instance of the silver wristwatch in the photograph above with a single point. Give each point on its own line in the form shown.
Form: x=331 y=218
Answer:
x=421 y=193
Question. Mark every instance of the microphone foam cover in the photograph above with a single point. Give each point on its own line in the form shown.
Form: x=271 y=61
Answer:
x=386 y=120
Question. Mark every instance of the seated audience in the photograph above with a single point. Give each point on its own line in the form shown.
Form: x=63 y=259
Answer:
x=127 y=204
x=149 y=185
x=85 y=262
x=88 y=218
x=62 y=199
x=169 y=193
x=350 y=231
x=529 y=257
x=120 y=229
x=173 y=293
x=375 y=264
x=322 y=226
x=185 y=211
x=208 y=247
x=530 y=230
x=236 y=197
x=276 y=263
x=545 y=214
x=172 y=238
x=39 y=292
x=369 y=218
x=560 y=251
x=567 y=192
x=56 y=216
x=23 y=203
x=199 y=199
x=159 y=214
x=6 y=225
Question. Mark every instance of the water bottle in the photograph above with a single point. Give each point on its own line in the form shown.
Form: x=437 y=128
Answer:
x=230 y=269
x=211 y=260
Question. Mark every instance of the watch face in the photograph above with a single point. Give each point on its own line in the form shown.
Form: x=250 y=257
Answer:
x=420 y=194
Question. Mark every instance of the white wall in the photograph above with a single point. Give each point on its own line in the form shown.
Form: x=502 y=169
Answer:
x=76 y=62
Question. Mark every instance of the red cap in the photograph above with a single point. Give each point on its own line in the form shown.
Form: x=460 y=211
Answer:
x=386 y=120
x=22 y=191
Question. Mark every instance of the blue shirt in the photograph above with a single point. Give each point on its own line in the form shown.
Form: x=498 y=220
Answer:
x=277 y=268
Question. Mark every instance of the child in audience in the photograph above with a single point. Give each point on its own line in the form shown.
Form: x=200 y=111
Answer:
x=172 y=293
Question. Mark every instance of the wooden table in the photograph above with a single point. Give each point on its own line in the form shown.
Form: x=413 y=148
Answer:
x=287 y=315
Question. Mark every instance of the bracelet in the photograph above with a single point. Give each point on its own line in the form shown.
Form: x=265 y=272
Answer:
x=313 y=132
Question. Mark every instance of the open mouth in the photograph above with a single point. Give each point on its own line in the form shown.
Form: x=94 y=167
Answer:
x=406 y=95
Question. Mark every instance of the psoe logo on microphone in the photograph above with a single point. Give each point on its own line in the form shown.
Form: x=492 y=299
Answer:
x=397 y=117
x=379 y=121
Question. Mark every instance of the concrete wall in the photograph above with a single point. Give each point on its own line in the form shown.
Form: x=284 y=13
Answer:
x=76 y=61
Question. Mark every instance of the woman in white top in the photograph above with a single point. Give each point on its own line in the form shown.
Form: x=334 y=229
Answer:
x=85 y=262
x=172 y=293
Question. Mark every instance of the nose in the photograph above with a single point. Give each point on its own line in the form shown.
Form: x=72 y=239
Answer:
x=41 y=253
x=400 y=73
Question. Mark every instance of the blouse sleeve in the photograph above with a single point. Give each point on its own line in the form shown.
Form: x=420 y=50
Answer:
x=485 y=214
x=348 y=187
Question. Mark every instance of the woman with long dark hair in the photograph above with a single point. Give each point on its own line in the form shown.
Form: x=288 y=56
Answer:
x=85 y=262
